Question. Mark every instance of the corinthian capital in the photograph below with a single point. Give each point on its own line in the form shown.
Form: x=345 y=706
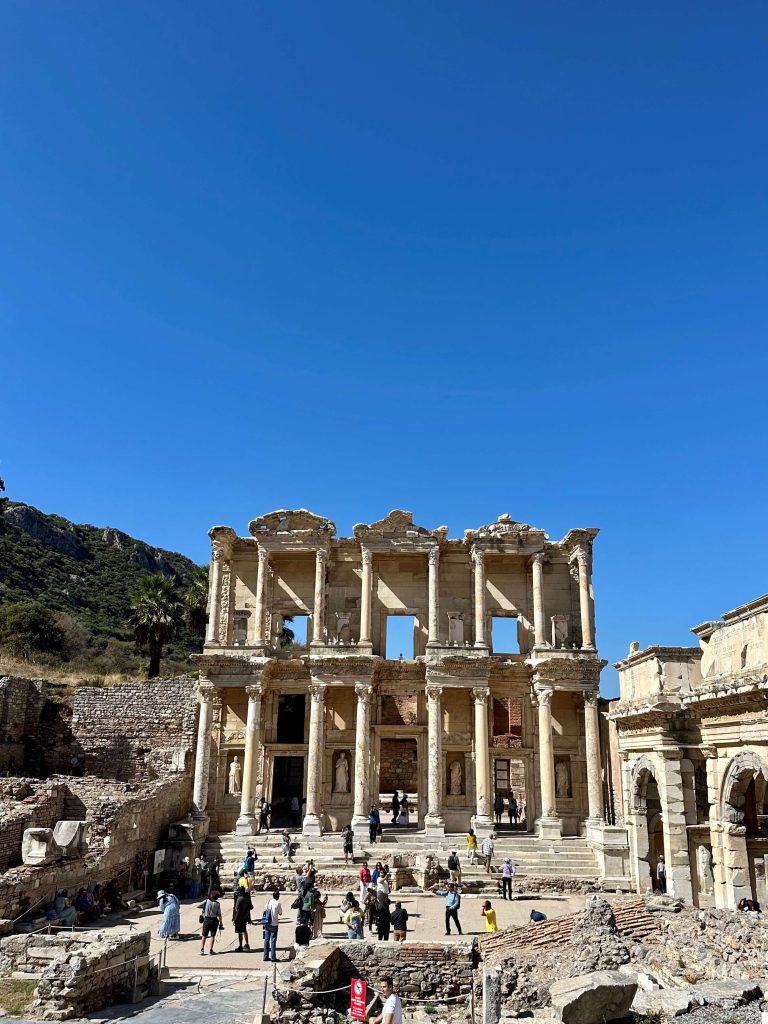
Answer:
x=434 y=556
x=364 y=692
x=481 y=694
x=433 y=691
x=590 y=699
x=543 y=694
x=254 y=691
x=478 y=557
x=321 y=555
x=367 y=556
x=317 y=690
x=263 y=557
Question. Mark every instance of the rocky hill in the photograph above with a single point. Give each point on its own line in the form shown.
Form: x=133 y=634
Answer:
x=87 y=572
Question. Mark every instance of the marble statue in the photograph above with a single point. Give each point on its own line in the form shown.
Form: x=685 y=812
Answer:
x=235 y=777
x=706 y=876
x=562 y=779
x=342 y=774
x=455 y=772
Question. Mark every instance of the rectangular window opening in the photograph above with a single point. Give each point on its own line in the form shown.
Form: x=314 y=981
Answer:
x=295 y=628
x=290 y=718
x=400 y=637
x=504 y=638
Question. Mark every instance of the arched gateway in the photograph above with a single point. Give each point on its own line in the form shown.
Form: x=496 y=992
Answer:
x=325 y=729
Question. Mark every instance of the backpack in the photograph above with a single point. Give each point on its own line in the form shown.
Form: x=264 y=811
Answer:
x=453 y=862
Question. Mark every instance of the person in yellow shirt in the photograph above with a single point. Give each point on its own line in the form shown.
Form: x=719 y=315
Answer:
x=472 y=847
x=490 y=917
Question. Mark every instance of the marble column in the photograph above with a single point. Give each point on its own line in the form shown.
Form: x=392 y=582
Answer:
x=479 y=559
x=318 y=612
x=246 y=823
x=312 y=820
x=261 y=587
x=434 y=823
x=483 y=821
x=362 y=805
x=537 y=565
x=202 y=752
x=587 y=636
x=592 y=747
x=218 y=555
x=433 y=639
x=365 y=597
x=549 y=823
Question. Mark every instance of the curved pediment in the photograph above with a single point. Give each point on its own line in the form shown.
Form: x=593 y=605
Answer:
x=292 y=524
x=505 y=528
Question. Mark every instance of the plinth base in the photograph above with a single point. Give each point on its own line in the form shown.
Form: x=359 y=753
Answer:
x=434 y=827
x=312 y=826
x=550 y=828
x=483 y=825
x=245 y=825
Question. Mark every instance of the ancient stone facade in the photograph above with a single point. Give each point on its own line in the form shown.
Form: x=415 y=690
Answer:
x=691 y=736
x=337 y=725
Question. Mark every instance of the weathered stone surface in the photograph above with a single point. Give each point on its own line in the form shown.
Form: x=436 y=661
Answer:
x=592 y=998
x=672 y=1002
x=39 y=847
x=727 y=994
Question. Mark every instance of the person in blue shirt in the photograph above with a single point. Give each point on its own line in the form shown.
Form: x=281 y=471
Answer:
x=537 y=917
x=374 y=818
x=452 y=904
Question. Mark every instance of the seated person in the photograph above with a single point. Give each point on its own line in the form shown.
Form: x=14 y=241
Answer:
x=537 y=917
x=63 y=908
x=85 y=907
x=113 y=897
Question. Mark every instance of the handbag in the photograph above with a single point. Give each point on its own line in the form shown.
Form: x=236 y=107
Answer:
x=202 y=918
x=296 y=903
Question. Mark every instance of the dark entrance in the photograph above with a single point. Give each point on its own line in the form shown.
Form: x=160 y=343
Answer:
x=287 y=782
x=290 y=718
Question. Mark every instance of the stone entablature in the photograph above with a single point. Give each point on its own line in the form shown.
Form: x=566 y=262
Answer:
x=694 y=760
x=450 y=688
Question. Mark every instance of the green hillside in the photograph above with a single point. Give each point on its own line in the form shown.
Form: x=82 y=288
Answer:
x=87 y=574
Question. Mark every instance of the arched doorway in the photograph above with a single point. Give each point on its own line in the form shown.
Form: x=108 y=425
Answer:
x=744 y=811
x=649 y=839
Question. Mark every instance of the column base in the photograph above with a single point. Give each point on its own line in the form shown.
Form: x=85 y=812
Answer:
x=480 y=646
x=434 y=826
x=360 y=826
x=312 y=826
x=483 y=825
x=550 y=828
x=245 y=825
x=589 y=647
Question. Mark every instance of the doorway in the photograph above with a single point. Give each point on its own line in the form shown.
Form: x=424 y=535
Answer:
x=509 y=783
x=399 y=773
x=287 y=782
x=290 y=718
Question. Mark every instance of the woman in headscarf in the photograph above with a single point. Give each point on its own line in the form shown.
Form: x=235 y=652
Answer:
x=64 y=909
x=170 y=926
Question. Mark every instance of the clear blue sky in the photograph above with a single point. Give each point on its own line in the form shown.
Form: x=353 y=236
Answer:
x=462 y=258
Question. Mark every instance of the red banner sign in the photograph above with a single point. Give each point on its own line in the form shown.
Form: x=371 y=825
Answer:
x=357 y=999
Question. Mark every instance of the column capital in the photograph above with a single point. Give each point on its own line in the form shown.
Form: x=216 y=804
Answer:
x=221 y=549
x=591 y=698
x=254 y=691
x=366 y=555
x=205 y=692
x=317 y=691
x=478 y=556
x=364 y=692
x=263 y=555
x=481 y=694
x=543 y=694
x=434 y=691
x=433 y=555
x=538 y=558
x=321 y=554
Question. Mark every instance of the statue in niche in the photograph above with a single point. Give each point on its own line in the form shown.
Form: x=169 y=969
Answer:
x=455 y=779
x=562 y=778
x=455 y=628
x=706 y=876
x=342 y=774
x=235 y=776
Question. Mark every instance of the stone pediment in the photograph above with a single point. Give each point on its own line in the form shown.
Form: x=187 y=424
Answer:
x=292 y=526
x=504 y=529
x=399 y=527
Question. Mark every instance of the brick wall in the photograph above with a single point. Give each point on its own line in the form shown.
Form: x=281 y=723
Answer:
x=26 y=803
x=21 y=702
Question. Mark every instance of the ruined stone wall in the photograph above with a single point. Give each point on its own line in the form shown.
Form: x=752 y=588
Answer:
x=21 y=703
x=26 y=803
x=136 y=731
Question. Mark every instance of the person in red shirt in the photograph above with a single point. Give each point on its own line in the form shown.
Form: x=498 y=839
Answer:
x=365 y=878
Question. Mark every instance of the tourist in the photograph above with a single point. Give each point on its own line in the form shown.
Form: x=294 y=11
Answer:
x=194 y=879
x=537 y=917
x=64 y=910
x=353 y=919
x=241 y=918
x=215 y=878
x=748 y=906
x=403 y=816
x=508 y=873
x=382 y=885
x=211 y=920
x=270 y=918
x=205 y=875
x=345 y=904
x=370 y=908
x=512 y=809
x=307 y=905
x=399 y=921
x=490 y=917
x=383 y=919
x=244 y=882
x=661 y=874
x=295 y=811
x=114 y=897
x=498 y=807
x=318 y=915
x=302 y=936
x=392 y=1010
x=183 y=878
x=374 y=820
x=249 y=862
x=265 y=810
x=452 y=905
x=378 y=870
x=395 y=807
x=487 y=851
x=98 y=898
x=454 y=867
x=347 y=839
x=170 y=926
x=84 y=905
x=472 y=847
x=285 y=845
x=365 y=879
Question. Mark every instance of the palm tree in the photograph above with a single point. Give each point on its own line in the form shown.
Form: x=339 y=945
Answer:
x=156 y=614
x=195 y=600
x=286 y=635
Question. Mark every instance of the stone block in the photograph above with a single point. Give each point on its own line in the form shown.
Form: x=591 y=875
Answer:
x=68 y=835
x=671 y=1002
x=38 y=847
x=727 y=994
x=593 y=998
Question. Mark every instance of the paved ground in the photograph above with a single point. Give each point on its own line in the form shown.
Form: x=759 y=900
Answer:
x=426 y=923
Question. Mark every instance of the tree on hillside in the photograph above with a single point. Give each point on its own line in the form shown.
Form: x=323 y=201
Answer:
x=156 y=614
x=28 y=628
x=195 y=600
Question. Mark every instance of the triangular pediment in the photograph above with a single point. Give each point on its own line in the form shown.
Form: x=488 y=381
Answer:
x=299 y=524
x=398 y=525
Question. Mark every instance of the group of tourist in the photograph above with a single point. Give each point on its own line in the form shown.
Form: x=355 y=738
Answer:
x=515 y=808
x=87 y=905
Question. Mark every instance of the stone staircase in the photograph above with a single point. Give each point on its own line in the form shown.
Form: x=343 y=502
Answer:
x=570 y=858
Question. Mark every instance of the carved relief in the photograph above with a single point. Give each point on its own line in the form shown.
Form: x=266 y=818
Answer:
x=224 y=602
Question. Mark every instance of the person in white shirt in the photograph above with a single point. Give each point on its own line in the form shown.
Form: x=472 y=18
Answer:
x=487 y=851
x=392 y=1010
x=270 y=919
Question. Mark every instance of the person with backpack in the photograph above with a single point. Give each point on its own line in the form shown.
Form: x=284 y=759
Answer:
x=454 y=867
x=270 y=919
x=241 y=918
x=452 y=905
x=210 y=919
